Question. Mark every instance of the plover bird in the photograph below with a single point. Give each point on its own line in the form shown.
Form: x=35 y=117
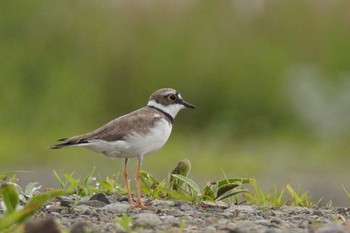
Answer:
x=134 y=135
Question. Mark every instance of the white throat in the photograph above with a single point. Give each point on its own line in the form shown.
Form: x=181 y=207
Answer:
x=171 y=109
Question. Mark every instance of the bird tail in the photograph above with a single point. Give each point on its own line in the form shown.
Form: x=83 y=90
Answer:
x=68 y=142
x=61 y=145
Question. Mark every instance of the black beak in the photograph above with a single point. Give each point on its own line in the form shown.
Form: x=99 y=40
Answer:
x=187 y=105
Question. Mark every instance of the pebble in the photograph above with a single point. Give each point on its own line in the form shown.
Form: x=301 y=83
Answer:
x=241 y=209
x=158 y=203
x=117 y=207
x=330 y=228
x=101 y=197
x=147 y=220
x=93 y=203
x=180 y=216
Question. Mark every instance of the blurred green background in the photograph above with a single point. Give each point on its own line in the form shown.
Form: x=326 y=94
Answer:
x=270 y=79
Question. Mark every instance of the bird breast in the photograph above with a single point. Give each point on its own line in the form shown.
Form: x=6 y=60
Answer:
x=153 y=140
x=135 y=144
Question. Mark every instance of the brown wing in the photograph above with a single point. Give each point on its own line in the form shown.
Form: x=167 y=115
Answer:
x=140 y=120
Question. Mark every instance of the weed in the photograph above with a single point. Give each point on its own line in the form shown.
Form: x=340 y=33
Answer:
x=11 y=195
x=286 y=196
x=346 y=191
x=298 y=198
x=184 y=188
x=125 y=222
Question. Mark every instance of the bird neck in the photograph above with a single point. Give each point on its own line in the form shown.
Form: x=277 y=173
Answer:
x=169 y=110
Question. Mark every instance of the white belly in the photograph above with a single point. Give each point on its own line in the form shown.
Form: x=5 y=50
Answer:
x=134 y=145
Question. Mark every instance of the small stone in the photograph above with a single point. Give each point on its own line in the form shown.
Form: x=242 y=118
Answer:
x=85 y=210
x=65 y=211
x=318 y=213
x=210 y=229
x=79 y=227
x=54 y=207
x=186 y=207
x=343 y=211
x=54 y=213
x=66 y=201
x=147 y=220
x=330 y=228
x=219 y=204
x=162 y=203
x=101 y=197
x=46 y=225
x=241 y=209
x=276 y=222
x=93 y=203
x=117 y=207
x=170 y=220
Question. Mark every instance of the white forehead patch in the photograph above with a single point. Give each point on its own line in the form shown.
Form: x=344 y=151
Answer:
x=169 y=92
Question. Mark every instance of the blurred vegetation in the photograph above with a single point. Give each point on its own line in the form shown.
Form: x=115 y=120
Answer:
x=270 y=80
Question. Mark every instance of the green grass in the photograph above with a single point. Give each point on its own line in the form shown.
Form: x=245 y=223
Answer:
x=278 y=197
x=20 y=205
x=15 y=213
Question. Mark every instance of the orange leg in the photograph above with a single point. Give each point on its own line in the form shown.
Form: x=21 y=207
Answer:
x=126 y=180
x=138 y=185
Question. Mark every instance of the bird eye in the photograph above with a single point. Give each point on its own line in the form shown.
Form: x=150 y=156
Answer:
x=172 y=97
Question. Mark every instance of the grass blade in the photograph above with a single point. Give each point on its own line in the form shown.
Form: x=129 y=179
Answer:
x=10 y=196
x=29 y=209
x=230 y=193
x=193 y=185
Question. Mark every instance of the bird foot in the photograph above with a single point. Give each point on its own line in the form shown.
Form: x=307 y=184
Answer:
x=141 y=205
x=138 y=204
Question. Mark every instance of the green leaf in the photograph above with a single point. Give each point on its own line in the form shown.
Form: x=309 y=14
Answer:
x=230 y=193
x=60 y=181
x=106 y=186
x=4 y=175
x=176 y=194
x=31 y=188
x=125 y=222
x=10 y=196
x=299 y=199
x=148 y=180
x=226 y=187
x=208 y=191
x=277 y=200
x=193 y=185
x=236 y=179
x=346 y=191
x=88 y=179
x=33 y=205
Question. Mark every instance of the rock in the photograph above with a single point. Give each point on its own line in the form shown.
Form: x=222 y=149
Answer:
x=93 y=203
x=101 y=197
x=45 y=225
x=170 y=220
x=79 y=227
x=117 y=207
x=86 y=210
x=158 y=203
x=186 y=207
x=147 y=220
x=181 y=216
x=343 y=211
x=210 y=229
x=66 y=201
x=331 y=228
x=219 y=204
x=241 y=209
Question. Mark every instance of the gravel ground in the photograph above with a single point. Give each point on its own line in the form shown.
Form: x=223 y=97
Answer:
x=99 y=214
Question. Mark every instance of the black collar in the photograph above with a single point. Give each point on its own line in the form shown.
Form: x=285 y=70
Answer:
x=167 y=115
